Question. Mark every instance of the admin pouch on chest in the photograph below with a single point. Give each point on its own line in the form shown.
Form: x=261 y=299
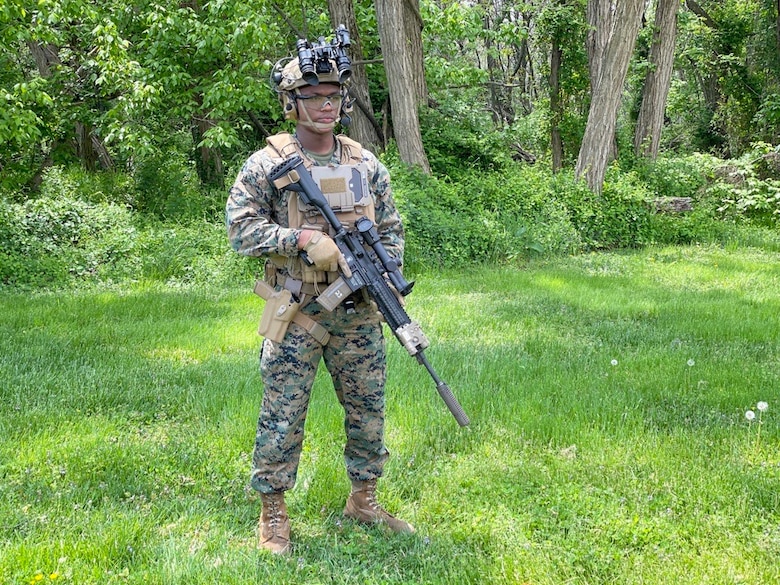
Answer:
x=280 y=310
x=345 y=188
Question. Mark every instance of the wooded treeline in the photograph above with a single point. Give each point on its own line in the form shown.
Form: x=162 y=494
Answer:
x=126 y=85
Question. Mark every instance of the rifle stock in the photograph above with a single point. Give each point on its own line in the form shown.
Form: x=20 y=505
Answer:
x=371 y=268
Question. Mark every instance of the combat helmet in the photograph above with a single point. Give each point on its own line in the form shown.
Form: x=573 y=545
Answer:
x=317 y=63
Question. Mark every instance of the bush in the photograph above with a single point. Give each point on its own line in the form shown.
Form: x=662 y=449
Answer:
x=47 y=242
x=82 y=229
x=75 y=183
x=193 y=253
x=748 y=188
x=469 y=145
x=681 y=176
x=167 y=187
x=524 y=210
x=485 y=217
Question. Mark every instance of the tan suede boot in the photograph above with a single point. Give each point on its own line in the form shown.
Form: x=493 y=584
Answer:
x=363 y=507
x=274 y=525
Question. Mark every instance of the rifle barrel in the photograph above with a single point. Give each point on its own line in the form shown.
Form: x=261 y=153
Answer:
x=444 y=391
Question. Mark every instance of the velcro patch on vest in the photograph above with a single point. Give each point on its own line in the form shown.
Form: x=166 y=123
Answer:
x=344 y=186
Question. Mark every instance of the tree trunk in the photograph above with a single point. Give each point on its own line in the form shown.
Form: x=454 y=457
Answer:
x=525 y=66
x=614 y=40
x=500 y=87
x=600 y=15
x=647 y=139
x=45 y=56
x=401 y=83
x=363 y=127
x=556 y=111
x=90 y=148
x=600 y=22
x=413 y=26
x=708 y=77
x=209 y=160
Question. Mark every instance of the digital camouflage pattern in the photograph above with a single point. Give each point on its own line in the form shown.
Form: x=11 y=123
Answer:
x=355 y=358
x=258 y=225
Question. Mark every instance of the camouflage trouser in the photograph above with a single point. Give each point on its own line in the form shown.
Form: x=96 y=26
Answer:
x=355 y=358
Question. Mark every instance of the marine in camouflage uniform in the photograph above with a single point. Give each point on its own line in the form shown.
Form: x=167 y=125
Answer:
x=258 y=223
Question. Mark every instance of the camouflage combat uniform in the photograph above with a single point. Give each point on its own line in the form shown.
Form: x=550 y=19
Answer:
x=258 y=225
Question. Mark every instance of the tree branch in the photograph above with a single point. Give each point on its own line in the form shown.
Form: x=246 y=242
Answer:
x=370 y=117
x=290 y=23
x=696 y=8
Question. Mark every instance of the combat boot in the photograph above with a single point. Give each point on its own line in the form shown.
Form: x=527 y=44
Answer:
x=363 y=507
x=274 y=525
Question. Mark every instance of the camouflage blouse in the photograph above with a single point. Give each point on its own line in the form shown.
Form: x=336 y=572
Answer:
x=256 y=212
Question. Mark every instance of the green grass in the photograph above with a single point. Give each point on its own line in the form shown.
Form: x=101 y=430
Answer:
x=608 y=442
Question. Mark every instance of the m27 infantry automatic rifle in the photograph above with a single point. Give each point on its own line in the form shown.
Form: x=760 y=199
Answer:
x=373 y=269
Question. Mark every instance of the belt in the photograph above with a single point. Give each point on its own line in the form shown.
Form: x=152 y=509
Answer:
x=296 y=287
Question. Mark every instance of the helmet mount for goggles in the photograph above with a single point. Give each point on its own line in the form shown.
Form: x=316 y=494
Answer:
x=321 y=62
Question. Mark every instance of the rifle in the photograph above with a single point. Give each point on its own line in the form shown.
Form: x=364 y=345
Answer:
x=371 y=268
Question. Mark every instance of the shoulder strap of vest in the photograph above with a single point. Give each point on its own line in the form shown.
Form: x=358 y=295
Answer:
x=284 y=144
x=350 y=149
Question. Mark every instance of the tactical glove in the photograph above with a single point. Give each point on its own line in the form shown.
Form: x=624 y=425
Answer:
x=325 y=254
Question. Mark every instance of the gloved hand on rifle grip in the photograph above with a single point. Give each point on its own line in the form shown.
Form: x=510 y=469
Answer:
x=323 y=252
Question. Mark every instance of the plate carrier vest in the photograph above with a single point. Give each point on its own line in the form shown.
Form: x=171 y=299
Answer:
x=302 y=216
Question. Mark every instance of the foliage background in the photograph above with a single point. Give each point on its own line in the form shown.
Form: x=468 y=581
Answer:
x=175 y=95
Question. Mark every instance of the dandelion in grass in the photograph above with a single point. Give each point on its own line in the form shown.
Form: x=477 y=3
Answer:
x=614 y=362
x=756 y=419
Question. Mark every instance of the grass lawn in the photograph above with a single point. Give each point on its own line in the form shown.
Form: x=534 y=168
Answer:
x=608 y=441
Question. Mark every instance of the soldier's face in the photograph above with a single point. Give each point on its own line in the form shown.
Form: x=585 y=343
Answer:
x=321 y=103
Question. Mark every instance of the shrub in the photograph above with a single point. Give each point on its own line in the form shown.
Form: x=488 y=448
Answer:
x=485 y=217
x=75 y=183
x=47 y=241
x=197 y=252
x=680 y=176
x=167 y=187
x=455 y=149
x=82 y=230
x=58 y=243
x=746 y=188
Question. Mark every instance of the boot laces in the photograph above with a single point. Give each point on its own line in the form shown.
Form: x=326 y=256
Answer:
x=274 y=512
x=371 y=498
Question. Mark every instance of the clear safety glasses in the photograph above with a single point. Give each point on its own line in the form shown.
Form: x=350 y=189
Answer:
x=318 y=102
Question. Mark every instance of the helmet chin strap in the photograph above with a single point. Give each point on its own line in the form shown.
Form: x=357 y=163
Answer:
x=321 y=126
